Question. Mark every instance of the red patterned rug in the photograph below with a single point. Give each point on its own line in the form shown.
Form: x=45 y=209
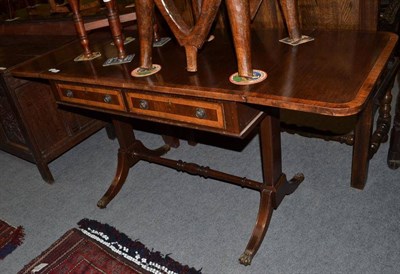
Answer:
x=10 y=238
x=100 y=248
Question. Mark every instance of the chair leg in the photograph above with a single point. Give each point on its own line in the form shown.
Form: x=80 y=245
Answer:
x=393 y=159
x=381 y=133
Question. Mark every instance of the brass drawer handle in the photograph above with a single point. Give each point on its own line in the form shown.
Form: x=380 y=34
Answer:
x=143 y=104
x=69 y=93
x=107 y=99
x=200 y=113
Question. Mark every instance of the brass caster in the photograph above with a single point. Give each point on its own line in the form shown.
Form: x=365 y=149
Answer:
x=245 y=258
x=103 y=202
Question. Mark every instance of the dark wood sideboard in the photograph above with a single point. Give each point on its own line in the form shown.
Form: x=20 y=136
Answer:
x=32 y=127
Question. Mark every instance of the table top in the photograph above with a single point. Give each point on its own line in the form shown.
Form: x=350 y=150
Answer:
x=332 y=75
x=15 y=49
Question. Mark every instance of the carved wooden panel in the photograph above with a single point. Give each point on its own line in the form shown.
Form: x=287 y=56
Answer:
x=324 y=14
x=35 y=110
x=9 y=124
x=31 y=125
x=75 y=123
x=314 y=14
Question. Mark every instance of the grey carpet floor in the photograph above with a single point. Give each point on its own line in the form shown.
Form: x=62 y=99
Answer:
x=324 y=227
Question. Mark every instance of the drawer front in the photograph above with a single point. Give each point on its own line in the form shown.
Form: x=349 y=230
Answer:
x=95 y=97
x=194 y=112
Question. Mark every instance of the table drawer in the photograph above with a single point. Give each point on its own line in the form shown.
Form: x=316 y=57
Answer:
x=89 y=96
x=195 y=112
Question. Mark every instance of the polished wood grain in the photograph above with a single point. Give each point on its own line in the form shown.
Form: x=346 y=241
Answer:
x=177 y=109
x=103 y=98
x=101 y=23
x=231 y=118
x=336 y=15
x=308 y=78
x=294 y=73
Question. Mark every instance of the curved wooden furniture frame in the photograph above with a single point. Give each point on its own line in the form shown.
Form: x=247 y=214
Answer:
x=127 y=157
x=272 y=190
x=240 y=12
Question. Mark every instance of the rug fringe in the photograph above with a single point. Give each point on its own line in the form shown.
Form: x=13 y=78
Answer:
x=134 y=248
x=16 y=239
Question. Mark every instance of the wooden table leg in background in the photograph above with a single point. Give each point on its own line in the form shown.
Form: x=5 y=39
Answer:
x=362 y=141
x=393 y=159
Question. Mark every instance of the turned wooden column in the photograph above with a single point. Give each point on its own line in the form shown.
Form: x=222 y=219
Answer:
x=80 y=27
x=291 y=14
x=81 y=31
x=115 y=26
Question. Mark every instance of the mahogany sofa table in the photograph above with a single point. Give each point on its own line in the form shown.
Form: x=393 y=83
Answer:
x=334 y=75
